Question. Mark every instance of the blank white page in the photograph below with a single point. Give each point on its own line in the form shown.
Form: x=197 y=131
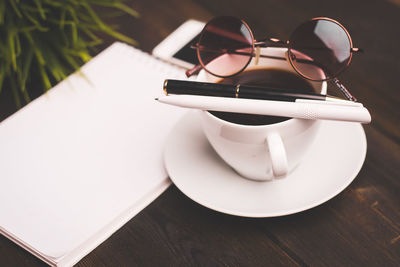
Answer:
x=77 y=158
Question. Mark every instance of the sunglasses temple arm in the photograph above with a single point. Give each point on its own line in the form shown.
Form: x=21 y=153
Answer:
x=344 y=90
x=195 y=70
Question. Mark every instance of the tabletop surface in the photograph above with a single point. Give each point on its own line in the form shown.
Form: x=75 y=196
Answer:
x=359 y=227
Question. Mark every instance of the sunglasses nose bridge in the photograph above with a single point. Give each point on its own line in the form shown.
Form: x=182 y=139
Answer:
x=267 y=42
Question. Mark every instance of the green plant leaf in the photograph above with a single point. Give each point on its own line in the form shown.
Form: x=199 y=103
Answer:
x=2 y=76
x=41 y=10
x=46 y=40
x=11 y=46
x=26 y=67
x=16 y=9
x=15 y=93
x=2 y=11
x=45 y=77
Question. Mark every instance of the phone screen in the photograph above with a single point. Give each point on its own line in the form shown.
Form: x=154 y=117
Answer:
x=187 y=53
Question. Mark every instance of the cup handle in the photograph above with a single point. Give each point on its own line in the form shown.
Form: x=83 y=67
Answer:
x=278 y=155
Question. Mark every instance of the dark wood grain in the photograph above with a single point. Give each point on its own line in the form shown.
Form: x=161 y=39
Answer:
x=359 y=227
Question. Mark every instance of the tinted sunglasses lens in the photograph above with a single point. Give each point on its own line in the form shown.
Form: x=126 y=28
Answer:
x=225 y=46
x=320 y=49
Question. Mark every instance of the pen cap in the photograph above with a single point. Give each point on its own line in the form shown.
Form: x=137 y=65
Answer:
x=197 y=88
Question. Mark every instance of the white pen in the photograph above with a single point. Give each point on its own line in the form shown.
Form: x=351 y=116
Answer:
x=302 y=109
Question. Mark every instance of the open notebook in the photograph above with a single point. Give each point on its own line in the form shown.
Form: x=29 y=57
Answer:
x=80 y=161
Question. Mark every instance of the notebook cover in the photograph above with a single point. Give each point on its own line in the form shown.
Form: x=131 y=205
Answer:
x=81 y=160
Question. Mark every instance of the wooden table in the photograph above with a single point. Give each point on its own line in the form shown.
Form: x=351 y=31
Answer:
x=359 y=227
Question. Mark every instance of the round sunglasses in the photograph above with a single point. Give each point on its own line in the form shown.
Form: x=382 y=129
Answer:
x=318 y=50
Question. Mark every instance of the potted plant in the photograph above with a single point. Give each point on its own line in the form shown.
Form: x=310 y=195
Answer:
x=43 y=41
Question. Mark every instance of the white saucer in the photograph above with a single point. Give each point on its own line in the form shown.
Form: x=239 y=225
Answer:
x=329 y=167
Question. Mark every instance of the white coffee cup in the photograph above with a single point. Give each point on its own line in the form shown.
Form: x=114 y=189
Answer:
x=261 y=152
